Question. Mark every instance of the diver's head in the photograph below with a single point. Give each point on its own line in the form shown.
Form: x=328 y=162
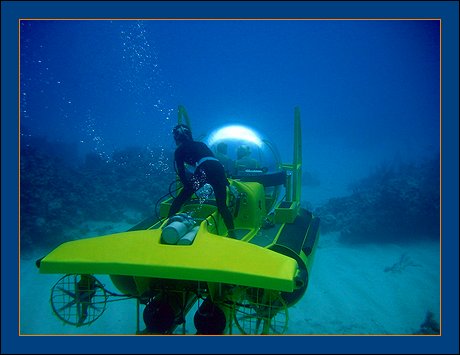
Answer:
x=243 y=151
x=182 y=133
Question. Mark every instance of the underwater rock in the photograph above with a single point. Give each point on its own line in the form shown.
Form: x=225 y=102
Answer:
x=429 y=326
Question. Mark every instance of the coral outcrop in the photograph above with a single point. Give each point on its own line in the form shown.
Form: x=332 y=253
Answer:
x=60 y=193
x=392 y=203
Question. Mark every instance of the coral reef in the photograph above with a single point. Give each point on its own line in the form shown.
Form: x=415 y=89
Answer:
x=394 y=202
x=59 y=193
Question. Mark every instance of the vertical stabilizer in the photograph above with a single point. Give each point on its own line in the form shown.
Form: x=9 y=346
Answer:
x=297 y=163
x=182 y=116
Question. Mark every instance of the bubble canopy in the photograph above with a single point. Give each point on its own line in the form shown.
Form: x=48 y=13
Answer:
x=243 y=151
x=235 y=132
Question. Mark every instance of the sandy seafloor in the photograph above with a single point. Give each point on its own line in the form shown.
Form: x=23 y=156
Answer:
x=350 y=292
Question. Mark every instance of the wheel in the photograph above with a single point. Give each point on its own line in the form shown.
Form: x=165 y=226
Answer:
x=261 y=311
x=78 y=299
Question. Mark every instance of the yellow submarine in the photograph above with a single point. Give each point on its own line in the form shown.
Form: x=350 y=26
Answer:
x=173 y=266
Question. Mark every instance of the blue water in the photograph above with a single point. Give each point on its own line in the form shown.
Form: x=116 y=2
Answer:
x=368 y=92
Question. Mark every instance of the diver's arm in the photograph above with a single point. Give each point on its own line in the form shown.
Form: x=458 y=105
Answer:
x=180 y=167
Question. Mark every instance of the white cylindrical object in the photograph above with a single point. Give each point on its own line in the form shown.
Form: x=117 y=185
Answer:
x=188 y=238
x=176 y=217
x=189 y=222
x=174 y=231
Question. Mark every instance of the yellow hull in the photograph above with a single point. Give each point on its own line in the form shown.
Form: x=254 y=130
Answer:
x=211 y=258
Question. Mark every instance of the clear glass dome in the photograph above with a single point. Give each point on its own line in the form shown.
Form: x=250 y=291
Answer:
x=243 y=151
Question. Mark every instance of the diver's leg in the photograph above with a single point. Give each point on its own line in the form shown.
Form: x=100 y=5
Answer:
x=185 y=195
x=215 y=176
x=220 y=191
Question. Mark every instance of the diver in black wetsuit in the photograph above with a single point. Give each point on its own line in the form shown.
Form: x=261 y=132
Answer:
x=208 y=170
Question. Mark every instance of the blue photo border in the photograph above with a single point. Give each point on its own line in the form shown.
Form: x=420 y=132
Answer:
x=12 y=11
